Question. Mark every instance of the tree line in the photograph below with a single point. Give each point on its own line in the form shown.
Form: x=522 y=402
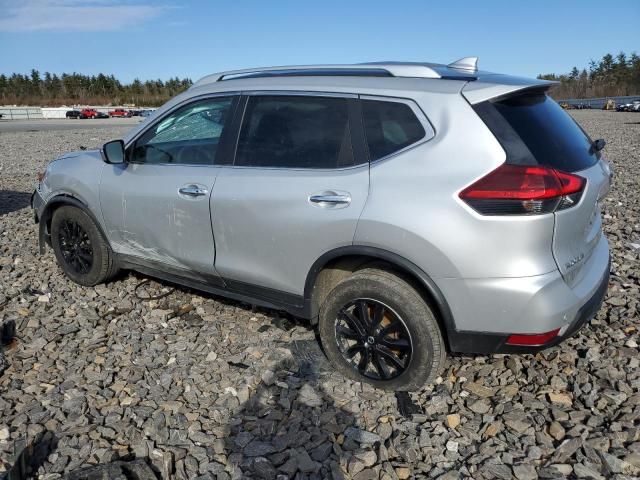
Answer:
x=54 y=90
x=608 y=77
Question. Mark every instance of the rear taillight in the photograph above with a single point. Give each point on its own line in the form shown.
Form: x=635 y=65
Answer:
x=523 y=190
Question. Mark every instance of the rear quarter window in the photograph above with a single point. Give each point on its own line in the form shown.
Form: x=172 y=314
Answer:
x=389 y=127
x=534 y=129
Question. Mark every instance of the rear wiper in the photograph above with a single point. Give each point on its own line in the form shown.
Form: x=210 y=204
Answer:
x=597 y=145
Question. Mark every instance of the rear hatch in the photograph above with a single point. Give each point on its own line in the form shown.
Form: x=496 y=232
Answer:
x=534 y=130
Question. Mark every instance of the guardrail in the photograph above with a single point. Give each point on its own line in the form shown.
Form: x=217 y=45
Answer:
x=599 y=102
x=28 y=113
x=20 y=113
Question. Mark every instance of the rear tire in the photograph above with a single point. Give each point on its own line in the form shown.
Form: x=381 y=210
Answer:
x=401 y=344
x=80 y=249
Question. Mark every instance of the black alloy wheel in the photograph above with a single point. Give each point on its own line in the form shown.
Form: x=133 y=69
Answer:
x=75 y=246
x=80 y=248
x=373 y=339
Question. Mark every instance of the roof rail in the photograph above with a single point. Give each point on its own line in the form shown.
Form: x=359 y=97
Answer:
x=460 y=70
x=379 y=69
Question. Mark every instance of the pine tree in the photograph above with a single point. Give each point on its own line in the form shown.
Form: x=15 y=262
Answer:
x=609 y=76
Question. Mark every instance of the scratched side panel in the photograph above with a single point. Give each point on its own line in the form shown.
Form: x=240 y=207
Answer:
x=78 y=175
x=146 y=216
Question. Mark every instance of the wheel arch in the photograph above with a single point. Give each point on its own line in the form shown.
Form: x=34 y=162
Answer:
x=60 y=200
x=343 y=261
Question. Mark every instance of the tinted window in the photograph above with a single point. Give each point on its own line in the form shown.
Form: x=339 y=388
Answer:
x=295 y=132
x=389 y=127
x=190 y=135
x=552 y=137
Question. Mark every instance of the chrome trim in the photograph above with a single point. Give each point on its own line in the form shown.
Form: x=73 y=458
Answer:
x=419 y=143
x=193 y=191
x=299 y=169
x=429 y=130
x=298 y=93
x=333 y=198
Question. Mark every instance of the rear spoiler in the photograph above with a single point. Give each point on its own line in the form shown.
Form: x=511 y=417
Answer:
x=492 y=86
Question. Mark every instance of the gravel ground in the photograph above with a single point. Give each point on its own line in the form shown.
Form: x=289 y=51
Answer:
x=200 y=387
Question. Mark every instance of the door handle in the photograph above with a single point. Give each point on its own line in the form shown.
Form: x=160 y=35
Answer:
x=193 y=191
x=328 y=199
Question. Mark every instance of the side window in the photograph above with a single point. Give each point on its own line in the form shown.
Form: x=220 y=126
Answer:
x=389 y=127
x=295 y=132
x=189 y=135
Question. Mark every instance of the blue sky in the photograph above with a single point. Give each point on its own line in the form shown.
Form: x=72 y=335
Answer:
x=152 y=39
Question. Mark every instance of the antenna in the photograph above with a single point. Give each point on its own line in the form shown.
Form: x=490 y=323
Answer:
x=468 y=64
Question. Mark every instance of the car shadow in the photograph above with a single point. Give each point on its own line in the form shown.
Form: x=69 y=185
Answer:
x=10 y=201
x=292 y=417
x=291 y=425
x=296 y=422
x=29 y=457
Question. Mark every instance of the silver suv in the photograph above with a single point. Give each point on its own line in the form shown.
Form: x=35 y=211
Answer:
x=409 y=210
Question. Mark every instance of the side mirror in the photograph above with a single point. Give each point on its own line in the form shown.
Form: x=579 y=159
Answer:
x=113 y=152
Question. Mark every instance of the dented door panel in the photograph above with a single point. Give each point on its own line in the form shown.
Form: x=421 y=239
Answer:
x=147 y=216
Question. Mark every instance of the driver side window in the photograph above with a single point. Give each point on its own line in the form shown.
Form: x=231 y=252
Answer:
x=188 y=136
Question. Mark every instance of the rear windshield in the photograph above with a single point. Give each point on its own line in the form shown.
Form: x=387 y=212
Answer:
x=550 y=136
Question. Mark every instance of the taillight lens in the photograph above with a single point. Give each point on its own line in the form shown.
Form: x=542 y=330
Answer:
x=523 y=190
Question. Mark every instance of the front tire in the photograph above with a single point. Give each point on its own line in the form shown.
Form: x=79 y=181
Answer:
x=376 y=328
x=79 y=247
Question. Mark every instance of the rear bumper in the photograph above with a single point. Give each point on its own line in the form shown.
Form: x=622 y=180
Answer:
x=497 y=310
x=487 y=343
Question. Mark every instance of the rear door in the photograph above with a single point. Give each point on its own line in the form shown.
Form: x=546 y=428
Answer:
x=555 y=140
x=296 y=190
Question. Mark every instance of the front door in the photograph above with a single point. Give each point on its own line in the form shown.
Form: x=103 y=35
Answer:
x=156 y=206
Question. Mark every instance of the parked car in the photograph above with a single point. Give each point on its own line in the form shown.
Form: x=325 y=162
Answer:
x=73 y=114
x=583 y=106
x=635 y=107
x=101 y=115
x=406 y=219
x=624 y=107
x=120 y=112
x=146 y=113
x=88 y=113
